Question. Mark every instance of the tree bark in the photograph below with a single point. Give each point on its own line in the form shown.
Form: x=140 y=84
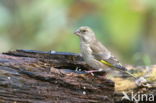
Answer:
x=28 y=76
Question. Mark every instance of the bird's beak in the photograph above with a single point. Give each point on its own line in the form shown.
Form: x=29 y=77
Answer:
x=77 y=32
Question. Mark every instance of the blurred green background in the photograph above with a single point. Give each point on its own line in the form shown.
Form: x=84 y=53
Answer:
x=126 y=27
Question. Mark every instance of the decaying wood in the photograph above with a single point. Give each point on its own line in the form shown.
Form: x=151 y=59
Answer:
x=49 y=77
x=28 y=76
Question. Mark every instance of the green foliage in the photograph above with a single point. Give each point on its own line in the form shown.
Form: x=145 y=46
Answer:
x=122 y=25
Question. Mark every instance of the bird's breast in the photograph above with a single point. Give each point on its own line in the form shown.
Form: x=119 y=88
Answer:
x=86 y=51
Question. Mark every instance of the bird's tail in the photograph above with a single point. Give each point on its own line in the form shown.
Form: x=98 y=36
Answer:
x=124 y=69
x=118 y=67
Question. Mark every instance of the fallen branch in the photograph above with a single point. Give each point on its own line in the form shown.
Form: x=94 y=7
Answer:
x=35 y=77
x=28 y=76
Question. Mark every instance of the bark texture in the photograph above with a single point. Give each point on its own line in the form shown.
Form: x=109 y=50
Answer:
x=28 y=76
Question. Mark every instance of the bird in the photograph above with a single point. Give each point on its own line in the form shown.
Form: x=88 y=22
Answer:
x=95 y=53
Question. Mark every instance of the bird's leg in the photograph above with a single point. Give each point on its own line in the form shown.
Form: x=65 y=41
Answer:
x=99 y=72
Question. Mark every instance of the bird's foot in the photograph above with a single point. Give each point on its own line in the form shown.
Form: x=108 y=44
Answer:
x=97 y=72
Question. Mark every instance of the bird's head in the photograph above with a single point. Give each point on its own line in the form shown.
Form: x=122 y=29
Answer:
x=85 y=33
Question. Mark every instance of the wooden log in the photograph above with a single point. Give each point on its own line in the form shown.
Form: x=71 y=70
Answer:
x=28 y=76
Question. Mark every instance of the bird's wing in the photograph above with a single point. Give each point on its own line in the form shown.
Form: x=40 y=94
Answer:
x=102 y=54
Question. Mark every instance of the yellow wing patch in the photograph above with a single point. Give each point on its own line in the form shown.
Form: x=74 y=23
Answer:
x=105 y=62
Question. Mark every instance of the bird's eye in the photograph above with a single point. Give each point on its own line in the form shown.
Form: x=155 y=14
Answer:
x=83 y=31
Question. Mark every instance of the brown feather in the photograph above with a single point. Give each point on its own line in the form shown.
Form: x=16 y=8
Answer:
x=102 y=53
